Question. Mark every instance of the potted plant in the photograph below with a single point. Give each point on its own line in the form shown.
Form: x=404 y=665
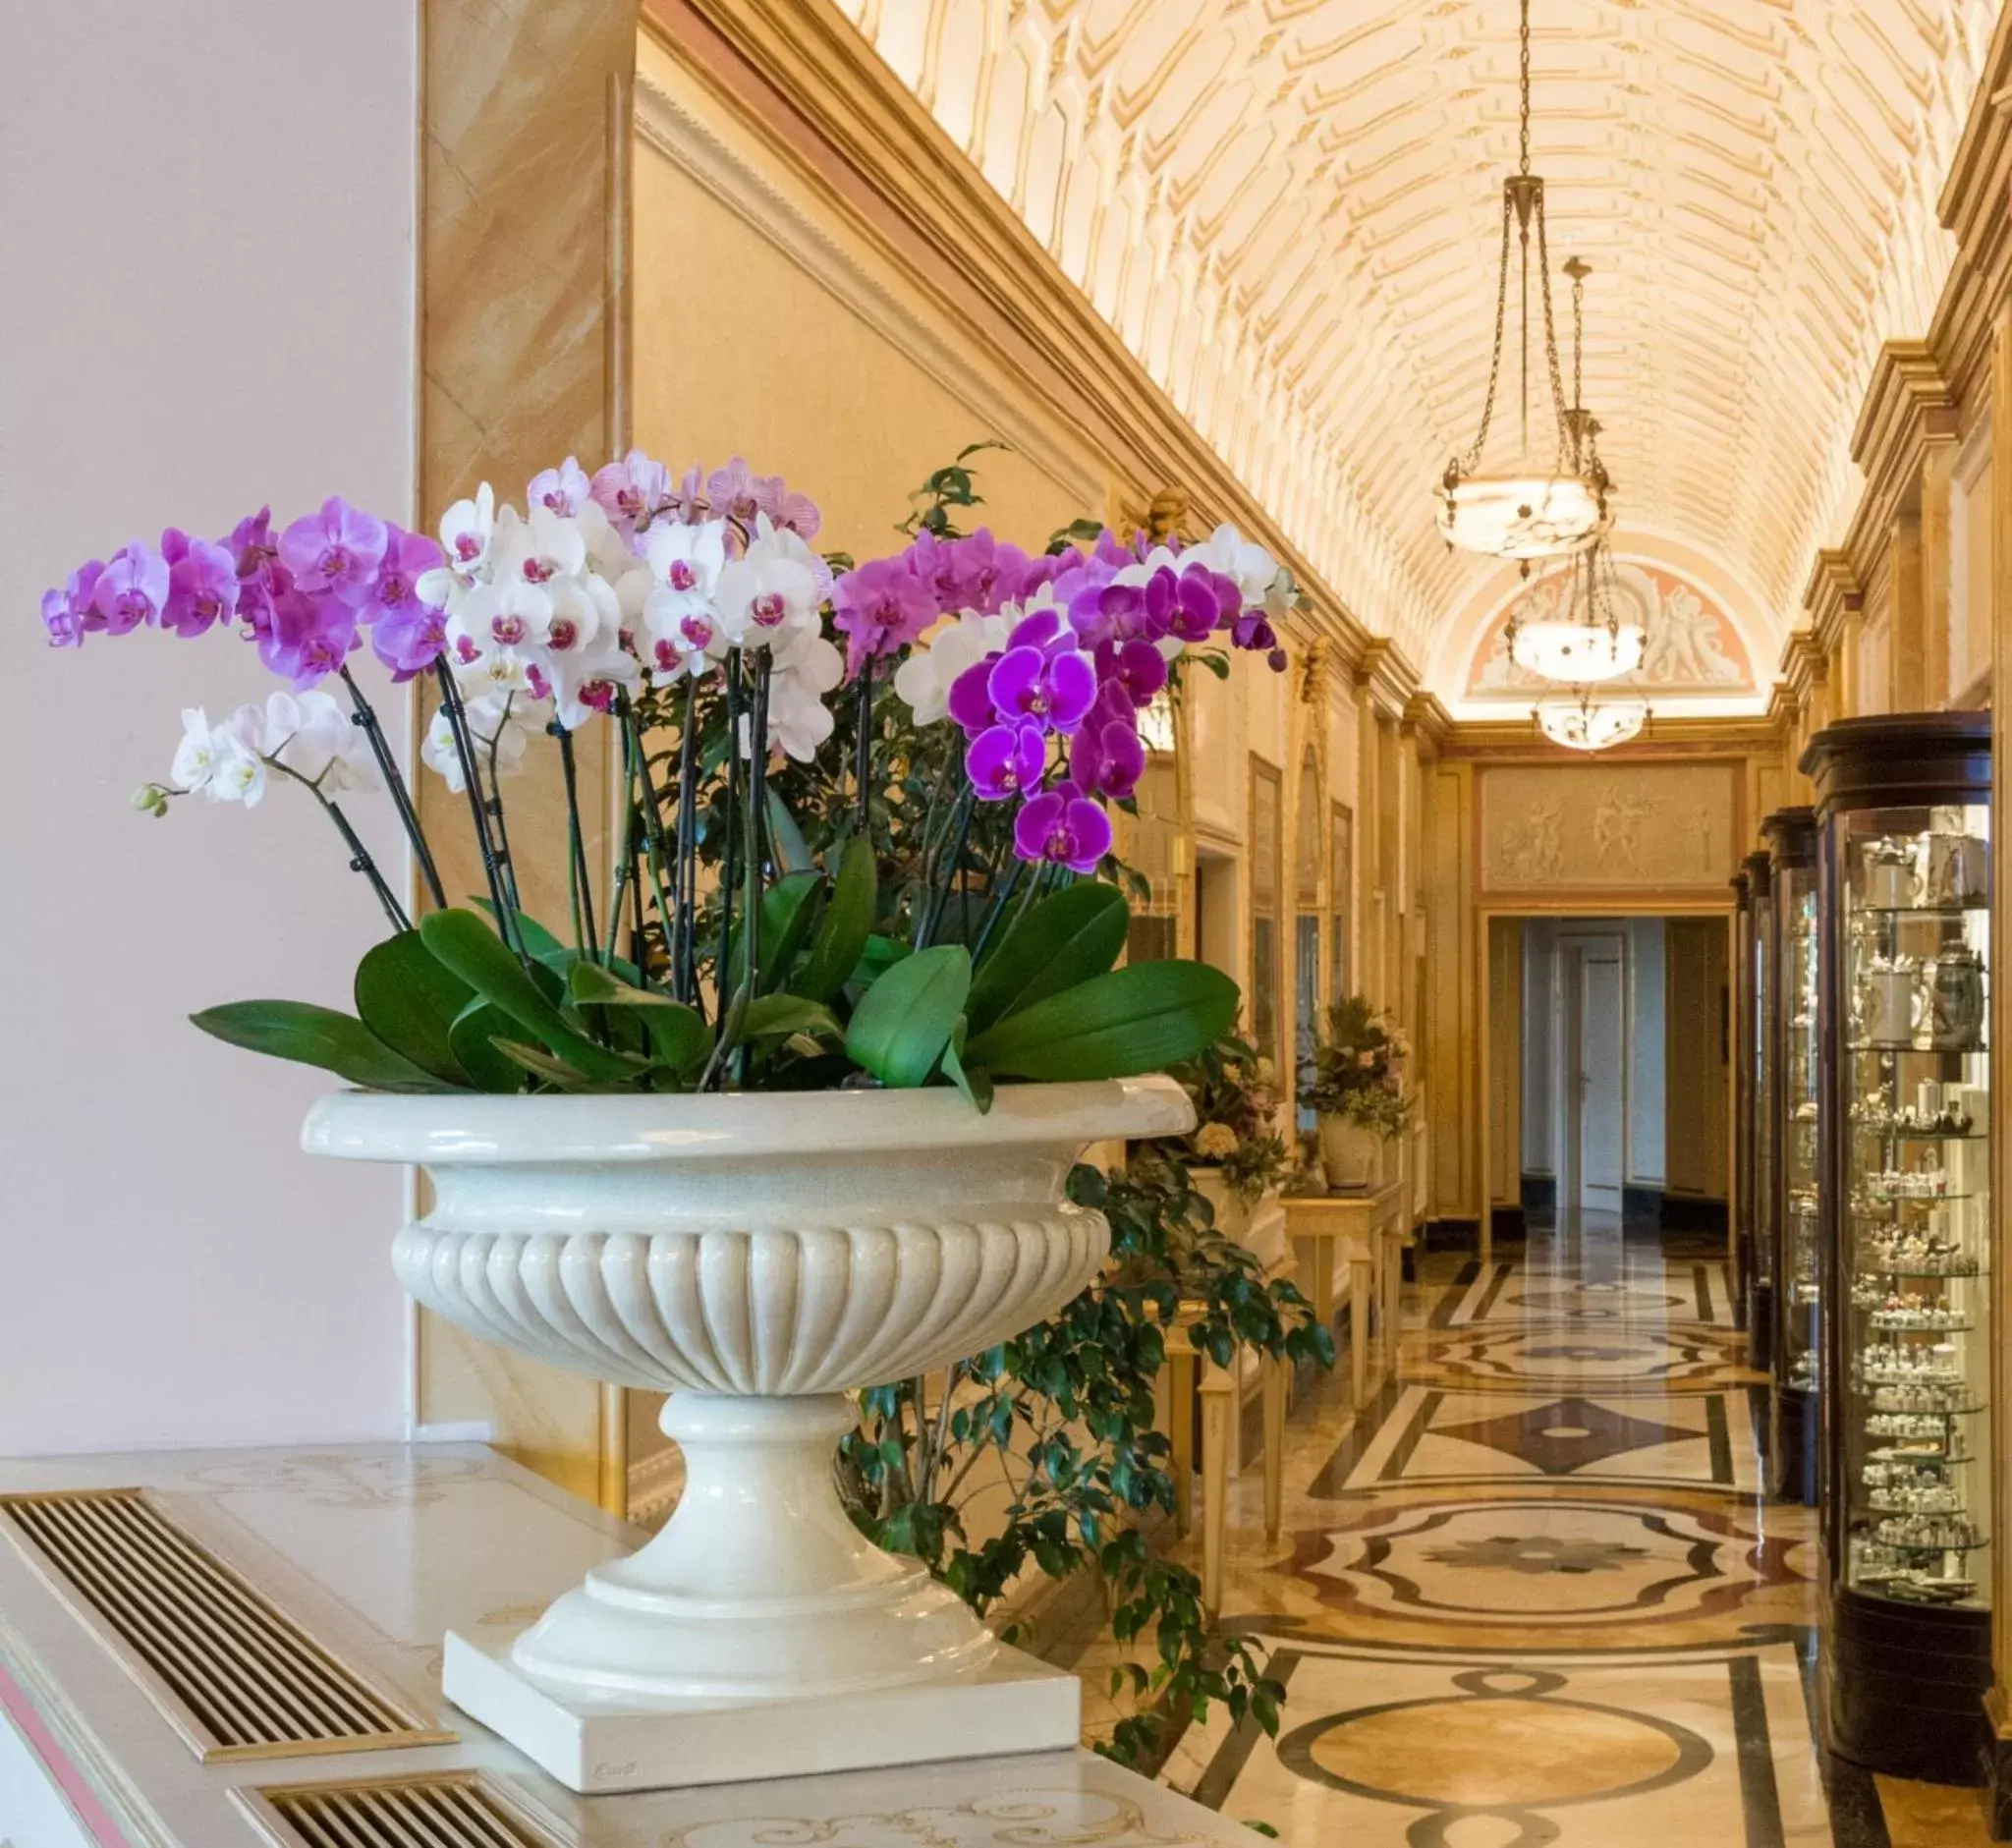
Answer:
x=1234 y=1153
x=1354 y=1084
x=791 y=1113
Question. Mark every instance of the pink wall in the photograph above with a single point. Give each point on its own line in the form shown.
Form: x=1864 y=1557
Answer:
x=206 y=209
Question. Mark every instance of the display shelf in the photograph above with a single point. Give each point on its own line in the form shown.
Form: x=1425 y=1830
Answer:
x=1755 y=1108
x=1904 y=1183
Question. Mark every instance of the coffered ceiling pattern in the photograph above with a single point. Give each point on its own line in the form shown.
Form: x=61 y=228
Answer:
x=1289 y=209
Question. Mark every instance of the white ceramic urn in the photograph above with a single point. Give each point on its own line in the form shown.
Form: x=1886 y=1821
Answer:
x=755 y=1255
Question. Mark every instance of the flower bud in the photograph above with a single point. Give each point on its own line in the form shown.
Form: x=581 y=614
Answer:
x=150 y=798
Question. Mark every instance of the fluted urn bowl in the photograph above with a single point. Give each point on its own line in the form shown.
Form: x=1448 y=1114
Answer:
x=755 y=1257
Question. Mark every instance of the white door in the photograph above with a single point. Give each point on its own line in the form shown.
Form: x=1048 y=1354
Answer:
x=1601 y=1072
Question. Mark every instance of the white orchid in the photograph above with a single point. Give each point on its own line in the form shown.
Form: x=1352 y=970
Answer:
x=465 y=532
x=498 y=732
x=926 y=678
x=200 y=753
x=803 y=671
x=586 y=682
x=309 y=733
x=772 y=590
x=1227 y=551
x=544 y=547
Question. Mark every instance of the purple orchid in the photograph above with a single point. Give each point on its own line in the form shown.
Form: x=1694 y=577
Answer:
x=1064 y=828
x=337 y=550
x=202 y=583
x=687 y=503
x=796 y=512
x=1006 y=761
x=738 y=493
x=881 y=606
x=1107 y=759
x=1192 y=604
x=131 y=589
x=1136 y=666
x=69 y=614
x=563 y=490
x=310 y=636
x=970 y=700
x=407 y=634
x=1055 y=691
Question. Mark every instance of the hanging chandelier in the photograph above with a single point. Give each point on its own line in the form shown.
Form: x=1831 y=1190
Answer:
x=1589 y=724
x=1542 y=507
x=1584 y=638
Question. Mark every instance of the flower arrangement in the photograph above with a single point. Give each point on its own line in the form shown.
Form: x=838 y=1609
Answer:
x=1357 y=1071
x=1236 y=1100
x=866 y=803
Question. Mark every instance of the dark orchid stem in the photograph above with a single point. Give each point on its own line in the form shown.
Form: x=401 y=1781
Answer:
x=1002 y=897
x=937 y=891
x=729 y=867
x=862 y=770
x=583 y=880
x=757 y=798
x=361 y=861
x=636 y=755
x=684 y=953
x=365 y=716
x=624 y=868
x=639 y=944
x=471 y=781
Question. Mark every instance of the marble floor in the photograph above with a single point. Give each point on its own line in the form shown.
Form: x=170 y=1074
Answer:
x=1533 y=1593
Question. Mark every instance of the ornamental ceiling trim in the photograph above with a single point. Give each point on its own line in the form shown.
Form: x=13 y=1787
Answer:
x=1285 y=209
x=797 y=76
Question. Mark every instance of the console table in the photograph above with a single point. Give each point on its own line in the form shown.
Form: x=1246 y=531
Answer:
x=1366 y=1233
x=366 y=1555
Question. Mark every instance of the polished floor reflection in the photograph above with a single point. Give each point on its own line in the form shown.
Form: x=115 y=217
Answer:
x=1531 y=1592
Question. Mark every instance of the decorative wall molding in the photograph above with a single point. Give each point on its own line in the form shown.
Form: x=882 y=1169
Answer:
x=1608 y=826
x=797 y=74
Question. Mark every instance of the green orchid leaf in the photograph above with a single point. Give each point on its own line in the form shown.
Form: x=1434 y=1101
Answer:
x=542 y=1065
x=538 y=942
x=779 y=1016
x=1067 y=938
x=789 y=907
x=411 y=1000
x=316 y=1036
x=473 y=1038
x=1117 y=1025
x=474 y=953
x=679 y=1038
x=848 y=922
x=785 y=838
x=903 y=1023
x=976 y=1086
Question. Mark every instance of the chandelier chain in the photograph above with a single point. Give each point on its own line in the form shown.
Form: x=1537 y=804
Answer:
x=1473 y=459
x=1544 y=258
x=1522 y=125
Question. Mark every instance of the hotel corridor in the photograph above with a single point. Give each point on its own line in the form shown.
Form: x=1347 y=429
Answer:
x=1535 y=1594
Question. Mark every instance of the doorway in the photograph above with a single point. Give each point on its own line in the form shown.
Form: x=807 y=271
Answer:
x=1607 y=1086
x=1591 y=1052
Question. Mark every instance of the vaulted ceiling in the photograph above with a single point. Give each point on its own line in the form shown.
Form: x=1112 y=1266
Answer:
x=1290 y=210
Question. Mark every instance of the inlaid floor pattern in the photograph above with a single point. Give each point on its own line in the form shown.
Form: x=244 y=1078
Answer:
x=1532 y=1593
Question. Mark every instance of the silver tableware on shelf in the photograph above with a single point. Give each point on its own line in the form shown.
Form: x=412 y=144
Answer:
x=1958 y=870
x=1889 y=873
x=1889 y=1002
x=1956 y=1000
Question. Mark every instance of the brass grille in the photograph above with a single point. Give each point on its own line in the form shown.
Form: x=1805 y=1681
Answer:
x=236 y=1676
x=452 y=1811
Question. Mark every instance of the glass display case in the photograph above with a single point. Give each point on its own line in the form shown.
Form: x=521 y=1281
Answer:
x=1904 y=865
x=1792 y=1230
x=1756 y=1127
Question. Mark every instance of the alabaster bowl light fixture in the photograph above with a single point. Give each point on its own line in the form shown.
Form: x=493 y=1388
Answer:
x=1548 y=504
x=1585 y=723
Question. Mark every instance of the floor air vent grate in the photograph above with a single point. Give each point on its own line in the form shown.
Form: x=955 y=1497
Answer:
x=444 y=1811
x=236 y=1675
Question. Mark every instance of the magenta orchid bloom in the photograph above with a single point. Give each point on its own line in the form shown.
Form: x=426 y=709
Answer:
x=1107 y=759
x=1190 y=604
x=69 y=614
x=1136 y=666
x=1054 y=691
x=1006 y=761
x=1063 y=828
x=202 y=583
x=407 y=634
x=310 y=636
x=881 y=606
x=970 y=700
x=132 y=589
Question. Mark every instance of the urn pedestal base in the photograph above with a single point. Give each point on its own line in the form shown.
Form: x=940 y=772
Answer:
x=1012 y=1704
